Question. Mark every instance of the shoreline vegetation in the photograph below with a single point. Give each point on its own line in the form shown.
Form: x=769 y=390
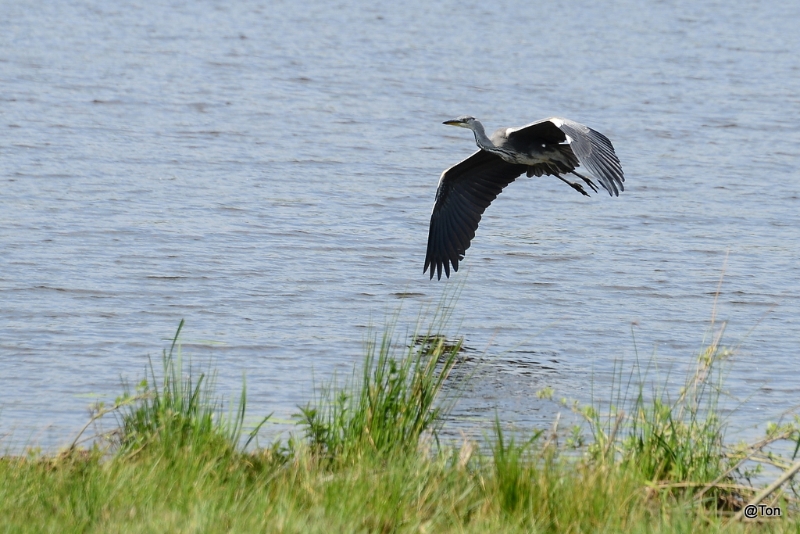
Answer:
x=368 y=457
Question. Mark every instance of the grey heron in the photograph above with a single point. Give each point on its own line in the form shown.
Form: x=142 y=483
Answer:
x=553 y=146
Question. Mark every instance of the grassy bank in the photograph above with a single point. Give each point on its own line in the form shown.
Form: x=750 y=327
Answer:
x=368 y=458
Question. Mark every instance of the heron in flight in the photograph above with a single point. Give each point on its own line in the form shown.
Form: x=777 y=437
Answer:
x=553 y=146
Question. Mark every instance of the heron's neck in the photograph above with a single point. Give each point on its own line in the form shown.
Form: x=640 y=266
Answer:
x=480 y=136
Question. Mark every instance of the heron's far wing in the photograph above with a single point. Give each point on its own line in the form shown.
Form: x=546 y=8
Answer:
x=465 y=191
x=593 y=149
x=595 y=152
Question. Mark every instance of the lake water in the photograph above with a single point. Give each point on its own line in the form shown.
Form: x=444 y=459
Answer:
x=265 y=171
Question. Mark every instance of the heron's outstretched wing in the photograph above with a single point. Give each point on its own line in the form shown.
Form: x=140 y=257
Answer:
x=593 y=149
x=465 y=191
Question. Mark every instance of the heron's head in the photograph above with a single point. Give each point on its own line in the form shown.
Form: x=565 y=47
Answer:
x=464 y=121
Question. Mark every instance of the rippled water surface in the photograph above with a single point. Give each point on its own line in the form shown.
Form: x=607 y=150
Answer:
x=265 y=170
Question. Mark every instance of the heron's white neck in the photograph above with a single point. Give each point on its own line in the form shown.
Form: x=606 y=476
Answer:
x=480 y=135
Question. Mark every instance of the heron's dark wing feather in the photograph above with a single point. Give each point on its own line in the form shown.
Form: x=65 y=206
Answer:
x=593 y=149
x=596 y=154
x=465 y=191
x=539 y=132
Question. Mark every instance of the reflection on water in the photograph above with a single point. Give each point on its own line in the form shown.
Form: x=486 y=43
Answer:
x=266 y=172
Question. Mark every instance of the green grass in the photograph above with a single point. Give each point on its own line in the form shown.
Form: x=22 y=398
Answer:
x=369 y=458
x=390 y=408
x=179 y=412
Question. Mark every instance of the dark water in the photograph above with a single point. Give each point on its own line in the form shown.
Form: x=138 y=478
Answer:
x=266 y=171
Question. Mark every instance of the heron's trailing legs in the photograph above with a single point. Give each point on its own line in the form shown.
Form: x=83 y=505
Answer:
x=576 y=187
x=587 y=180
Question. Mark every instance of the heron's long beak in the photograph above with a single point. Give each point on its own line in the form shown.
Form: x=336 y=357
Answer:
x=454 y=122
